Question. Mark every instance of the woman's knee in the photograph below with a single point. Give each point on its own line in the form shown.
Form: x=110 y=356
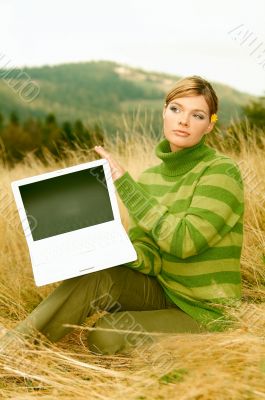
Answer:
x=104 y=339
x=116 y=332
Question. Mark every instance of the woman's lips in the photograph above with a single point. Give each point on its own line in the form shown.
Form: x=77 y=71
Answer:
x=180 y=133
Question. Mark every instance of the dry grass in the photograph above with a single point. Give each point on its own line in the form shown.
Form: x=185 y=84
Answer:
x=208 y=366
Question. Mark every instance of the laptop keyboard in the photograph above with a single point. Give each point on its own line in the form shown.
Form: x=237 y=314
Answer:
x=85 y=245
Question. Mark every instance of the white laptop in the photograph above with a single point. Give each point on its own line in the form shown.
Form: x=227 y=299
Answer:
x=72 y=222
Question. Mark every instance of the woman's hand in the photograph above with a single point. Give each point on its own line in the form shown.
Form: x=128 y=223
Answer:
x=116 y=169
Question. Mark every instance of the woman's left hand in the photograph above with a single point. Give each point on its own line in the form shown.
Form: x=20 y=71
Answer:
x=116 y=169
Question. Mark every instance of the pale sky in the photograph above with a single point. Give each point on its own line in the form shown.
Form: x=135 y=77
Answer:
x=222 y=41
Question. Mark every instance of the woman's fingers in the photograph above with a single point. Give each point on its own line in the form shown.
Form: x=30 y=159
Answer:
x=104 y=154
x=101 y=151
x=116 y=169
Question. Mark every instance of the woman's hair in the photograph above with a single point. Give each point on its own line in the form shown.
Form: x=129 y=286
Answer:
x=194 y=86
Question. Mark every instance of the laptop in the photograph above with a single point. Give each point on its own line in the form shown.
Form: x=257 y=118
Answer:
x=72 y=222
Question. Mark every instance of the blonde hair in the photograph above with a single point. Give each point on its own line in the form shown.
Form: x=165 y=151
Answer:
x=194 y=86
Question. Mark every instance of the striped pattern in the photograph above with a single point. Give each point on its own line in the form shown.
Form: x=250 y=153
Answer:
x=186 y=224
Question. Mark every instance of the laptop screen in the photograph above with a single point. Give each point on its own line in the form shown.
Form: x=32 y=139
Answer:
x=66 y=203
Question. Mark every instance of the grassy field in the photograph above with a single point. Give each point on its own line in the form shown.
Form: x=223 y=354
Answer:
x=211 y=366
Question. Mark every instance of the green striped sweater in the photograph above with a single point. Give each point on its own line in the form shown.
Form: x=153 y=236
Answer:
x=186 y=224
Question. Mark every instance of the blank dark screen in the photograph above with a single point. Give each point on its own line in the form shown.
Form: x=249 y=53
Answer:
x=66 y=203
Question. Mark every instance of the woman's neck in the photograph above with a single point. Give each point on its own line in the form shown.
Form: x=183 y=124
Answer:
x=182 y=160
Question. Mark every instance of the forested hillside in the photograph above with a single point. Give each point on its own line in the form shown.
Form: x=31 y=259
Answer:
x=93 y=91
x=57 y=107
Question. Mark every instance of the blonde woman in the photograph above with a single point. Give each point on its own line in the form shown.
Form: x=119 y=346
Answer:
x=186 y=224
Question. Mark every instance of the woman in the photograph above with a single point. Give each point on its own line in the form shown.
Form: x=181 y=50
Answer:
x=186 y=224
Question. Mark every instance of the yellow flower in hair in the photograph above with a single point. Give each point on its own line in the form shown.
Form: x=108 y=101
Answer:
x=214 y=118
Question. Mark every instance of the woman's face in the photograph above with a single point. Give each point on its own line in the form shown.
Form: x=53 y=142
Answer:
x=186 y=120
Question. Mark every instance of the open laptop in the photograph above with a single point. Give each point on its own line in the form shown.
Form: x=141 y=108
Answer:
x=71 y=221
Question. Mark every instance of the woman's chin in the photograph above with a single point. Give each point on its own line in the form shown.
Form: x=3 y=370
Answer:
x=176 y=144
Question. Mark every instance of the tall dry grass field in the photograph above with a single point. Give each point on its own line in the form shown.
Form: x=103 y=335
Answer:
x=212 y=366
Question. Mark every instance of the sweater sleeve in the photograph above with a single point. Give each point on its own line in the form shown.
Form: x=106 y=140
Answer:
x=215 y=208
x=148 y=256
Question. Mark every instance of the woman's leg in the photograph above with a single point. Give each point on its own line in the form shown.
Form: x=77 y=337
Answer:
x=113 y=289
x=122 y=330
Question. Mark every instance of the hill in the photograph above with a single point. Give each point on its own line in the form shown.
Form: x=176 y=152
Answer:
x=99 y=91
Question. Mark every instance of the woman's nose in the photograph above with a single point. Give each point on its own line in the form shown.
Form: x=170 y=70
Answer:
x=183 y=121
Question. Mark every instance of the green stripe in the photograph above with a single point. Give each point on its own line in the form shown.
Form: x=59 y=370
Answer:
x=205 y=279
x=238 y=228
x=218 y=207
x=171 y=198
x=180 y=297
x=180 y=205
x=214 y=219
x=150 y=179
x=156 y=190
x=207 y=292
x=203 y=267
x=150 y=262
x=225 y=169
x=136 y=233
x=214 y=253
x=141 y=266
x=223 y=181
x=220 y=194
x=199 y=240
x=159 y=188
x=231 y=237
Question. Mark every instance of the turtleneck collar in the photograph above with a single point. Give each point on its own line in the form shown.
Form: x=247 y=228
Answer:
x=181 y=161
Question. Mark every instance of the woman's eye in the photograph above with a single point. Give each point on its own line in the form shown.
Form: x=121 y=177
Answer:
x=173 y=108
x=198 y=116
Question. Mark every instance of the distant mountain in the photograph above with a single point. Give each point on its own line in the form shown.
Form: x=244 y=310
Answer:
x=100 y=91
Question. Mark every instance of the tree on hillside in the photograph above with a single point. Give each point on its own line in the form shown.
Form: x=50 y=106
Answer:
x=51 y=133
x=33 y=129
x=14 y=118
x=80 y=133
x=17 y=141
x=68 y=135
x=34 y=135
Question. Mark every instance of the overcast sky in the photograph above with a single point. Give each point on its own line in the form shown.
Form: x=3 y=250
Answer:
x=222 y=41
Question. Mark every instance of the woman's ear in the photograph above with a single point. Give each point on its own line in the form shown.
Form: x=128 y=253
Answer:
x=210 y=127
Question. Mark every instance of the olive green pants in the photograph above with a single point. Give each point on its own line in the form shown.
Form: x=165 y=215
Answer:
x=136 y=304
